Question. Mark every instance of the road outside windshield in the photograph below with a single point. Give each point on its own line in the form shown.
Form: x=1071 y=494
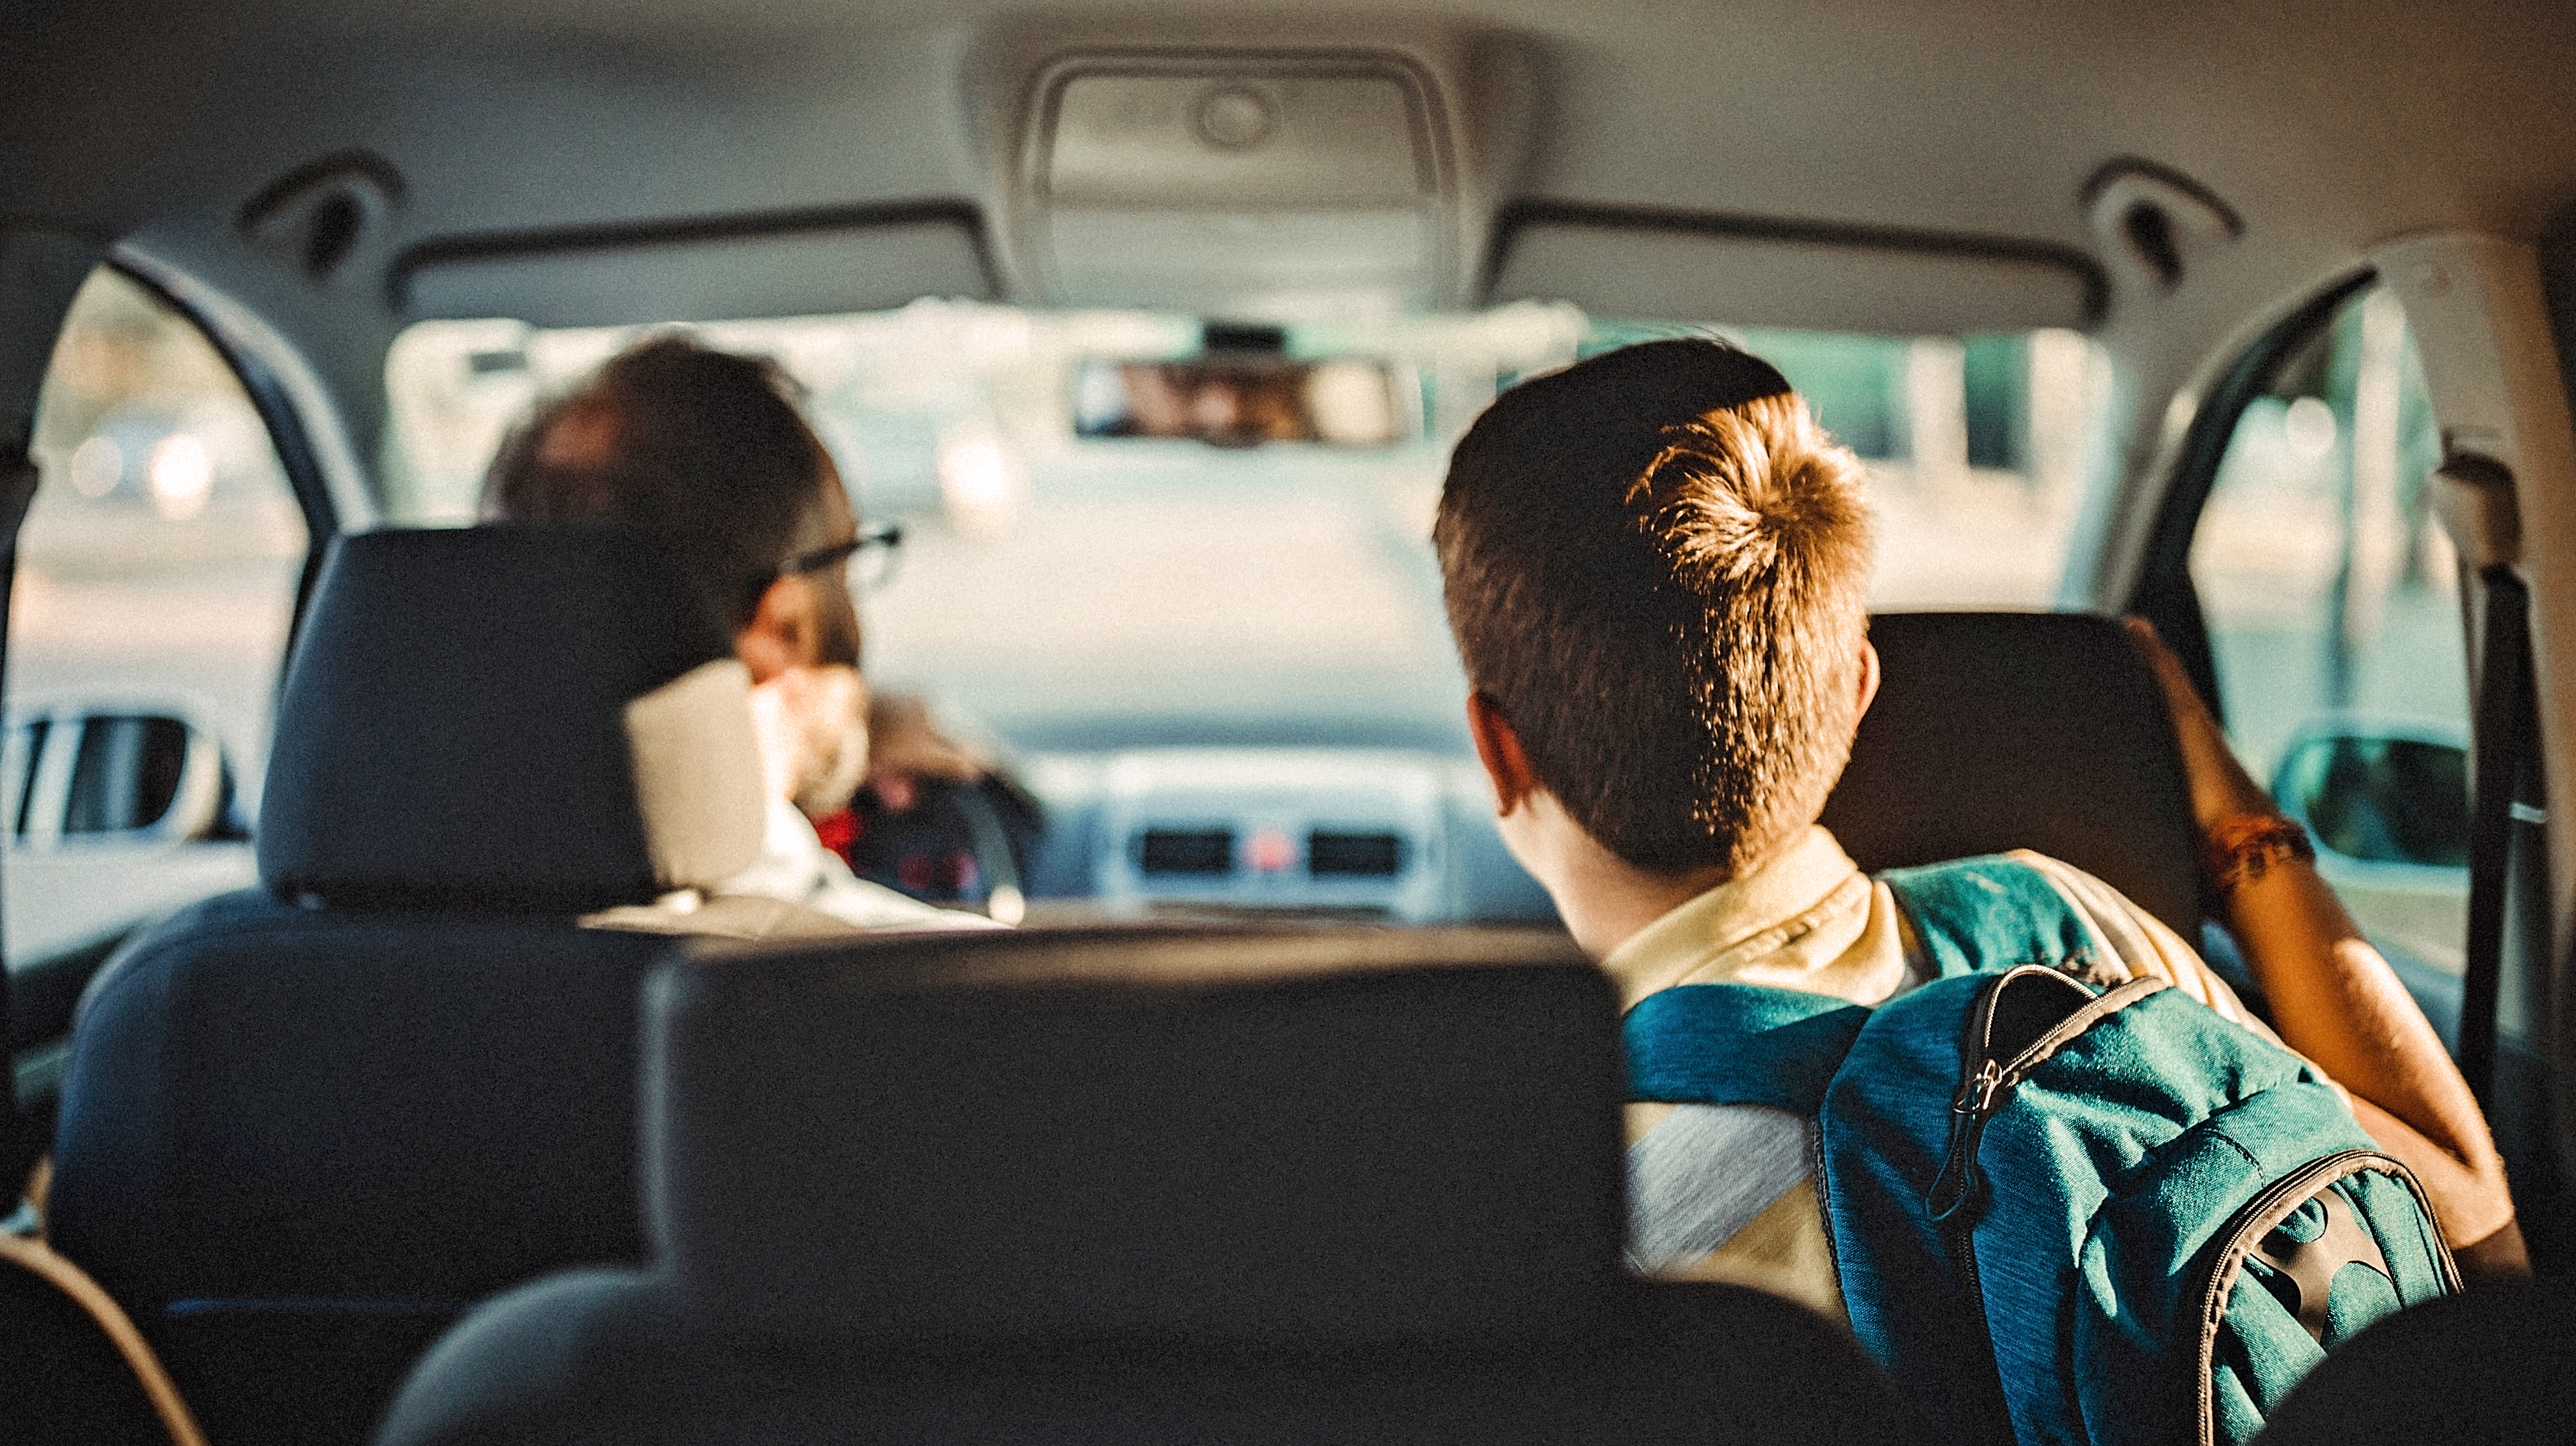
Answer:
x=1076 y=592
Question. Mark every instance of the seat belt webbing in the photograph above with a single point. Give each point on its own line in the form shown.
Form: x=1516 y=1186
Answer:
x=2503 y=722
x=39 y=1259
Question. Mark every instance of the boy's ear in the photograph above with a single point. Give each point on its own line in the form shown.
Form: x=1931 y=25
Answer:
x=1868 y=680
x=1499 y=749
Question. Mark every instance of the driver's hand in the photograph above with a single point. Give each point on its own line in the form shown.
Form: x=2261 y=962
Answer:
x=906 y=749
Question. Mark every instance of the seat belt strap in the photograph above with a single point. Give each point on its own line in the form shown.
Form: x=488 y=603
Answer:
x=1704 y=1173
x=1737 y=1044
x=39 y=1260
x=2504 y=711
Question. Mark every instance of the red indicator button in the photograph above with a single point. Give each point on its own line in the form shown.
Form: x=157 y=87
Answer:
x=1269 y=851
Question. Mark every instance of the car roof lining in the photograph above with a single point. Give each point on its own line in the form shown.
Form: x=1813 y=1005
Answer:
x=1985 y=123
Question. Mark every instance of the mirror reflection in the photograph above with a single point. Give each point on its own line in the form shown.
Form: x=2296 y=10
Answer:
x=1241 y=399
x=110 y=775
x=2385 y=799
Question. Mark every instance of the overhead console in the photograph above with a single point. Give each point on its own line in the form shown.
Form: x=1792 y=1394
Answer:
x=1253 y=178
x=1278 y=170
x=1138 y=172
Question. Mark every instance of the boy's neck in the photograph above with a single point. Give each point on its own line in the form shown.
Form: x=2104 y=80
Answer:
x=1604 y=899
x=1605 y=913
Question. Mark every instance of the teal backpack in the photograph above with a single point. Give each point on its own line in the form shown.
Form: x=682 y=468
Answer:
x=2059 y=1212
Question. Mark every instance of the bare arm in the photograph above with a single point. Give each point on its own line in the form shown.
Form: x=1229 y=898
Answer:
x=2336 y=1001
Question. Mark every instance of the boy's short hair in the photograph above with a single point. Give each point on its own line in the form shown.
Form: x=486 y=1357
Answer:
x=705 y=449
x=1657 y=566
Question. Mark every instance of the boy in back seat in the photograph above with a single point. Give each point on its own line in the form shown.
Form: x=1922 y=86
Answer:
x=1656 y=567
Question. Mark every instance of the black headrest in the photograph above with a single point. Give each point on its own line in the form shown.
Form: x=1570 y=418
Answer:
x=1294 y=1138
x=454 y=729
x=2044 y=731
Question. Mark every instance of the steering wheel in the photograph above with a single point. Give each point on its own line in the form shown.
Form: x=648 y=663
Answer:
x=960 y=843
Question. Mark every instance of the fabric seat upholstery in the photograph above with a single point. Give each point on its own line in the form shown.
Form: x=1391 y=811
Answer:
x=304 y=1126
x=1315 y=1186
x=2043 y=731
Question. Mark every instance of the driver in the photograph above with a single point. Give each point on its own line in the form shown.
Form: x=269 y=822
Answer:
x=708 y=451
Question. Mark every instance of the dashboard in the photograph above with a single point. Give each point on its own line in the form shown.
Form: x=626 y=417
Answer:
x=1396 y=834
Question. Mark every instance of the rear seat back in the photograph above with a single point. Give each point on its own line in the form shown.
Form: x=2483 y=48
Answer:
x=1322 y=1185
x=2043 y=731
x=1363 y=1138
x=304 y=1126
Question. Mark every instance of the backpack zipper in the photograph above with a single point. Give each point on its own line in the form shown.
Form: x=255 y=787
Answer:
x=2256 y=1220
x=1982 y=1092
x=1959 y=1188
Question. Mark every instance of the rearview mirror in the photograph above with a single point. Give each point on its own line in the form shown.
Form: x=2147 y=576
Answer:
x=2397 y=796
x=143 y=777
x=1244 y=399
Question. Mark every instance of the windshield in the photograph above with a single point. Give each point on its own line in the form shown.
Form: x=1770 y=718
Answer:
x=1076 y=591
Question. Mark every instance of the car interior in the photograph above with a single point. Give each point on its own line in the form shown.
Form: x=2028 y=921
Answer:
x=354 y=1060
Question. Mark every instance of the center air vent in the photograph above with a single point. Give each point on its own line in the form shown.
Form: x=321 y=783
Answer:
x=1354 y=855
x=1344 y=831
x=1201 y=851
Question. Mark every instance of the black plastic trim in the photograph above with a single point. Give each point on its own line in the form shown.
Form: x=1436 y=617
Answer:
x=618 y=235
x=339 y=163
x=1520 y=215
x=2164 y=594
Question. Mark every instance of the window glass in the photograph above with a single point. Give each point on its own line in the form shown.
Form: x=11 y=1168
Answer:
x=1976 y=449
x=2332 y=596
x=1073 y=587
x=156 y=581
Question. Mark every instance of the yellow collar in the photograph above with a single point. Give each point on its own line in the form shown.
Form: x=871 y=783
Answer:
x=1747 y=922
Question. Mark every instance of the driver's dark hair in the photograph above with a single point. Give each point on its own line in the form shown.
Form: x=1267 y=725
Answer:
x=1657 y=566
x=705 y=449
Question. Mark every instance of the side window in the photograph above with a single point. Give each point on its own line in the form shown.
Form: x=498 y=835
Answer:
x=2332 y=596
x=156 y=581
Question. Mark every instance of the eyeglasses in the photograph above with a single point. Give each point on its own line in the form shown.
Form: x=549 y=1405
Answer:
x=870 y=557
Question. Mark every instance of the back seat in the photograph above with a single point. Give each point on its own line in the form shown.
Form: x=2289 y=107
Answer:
x=1319 y=1186
x=305 y=1126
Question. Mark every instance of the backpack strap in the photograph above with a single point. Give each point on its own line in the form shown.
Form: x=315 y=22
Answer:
x=1747 y=1044
x=1738 y=1044
x=1985 y=915
x=33 y=1267
x=1711 y=1166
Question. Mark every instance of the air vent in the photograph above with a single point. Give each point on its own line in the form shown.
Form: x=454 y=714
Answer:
x=1348 y=855
x=1208 y=851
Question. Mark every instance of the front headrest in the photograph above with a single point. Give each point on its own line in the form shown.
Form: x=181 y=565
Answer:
x=2044 y=731
x=1320 y=1137
x=514 y=718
